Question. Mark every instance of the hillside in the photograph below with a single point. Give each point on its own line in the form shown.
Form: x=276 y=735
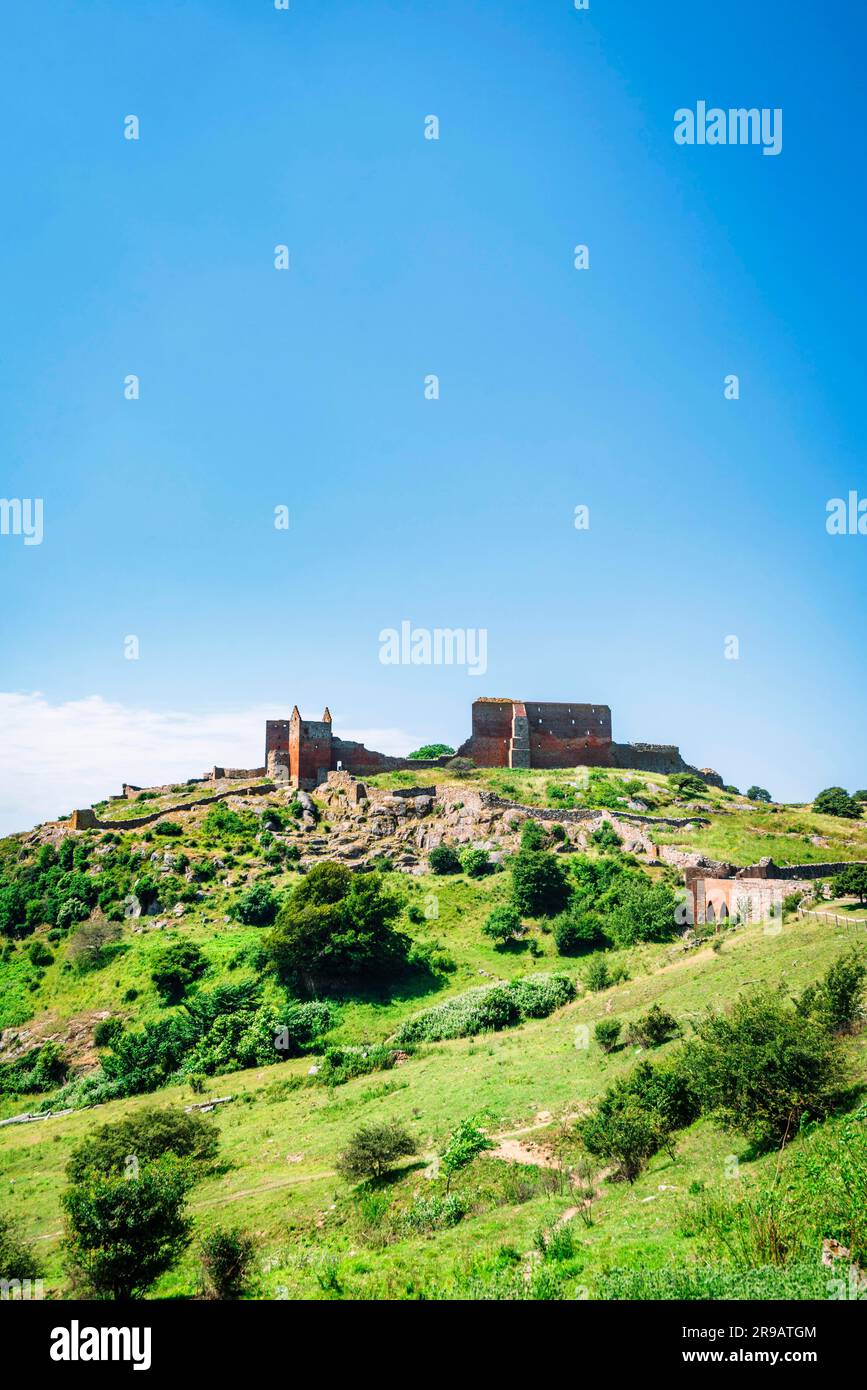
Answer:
x=532 y=1216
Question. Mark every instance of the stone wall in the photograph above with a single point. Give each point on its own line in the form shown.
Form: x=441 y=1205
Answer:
x=87 y=818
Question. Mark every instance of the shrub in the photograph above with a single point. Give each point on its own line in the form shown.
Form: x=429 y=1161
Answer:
x=168 y=827
x=637 y=1116
x=577 y=930
x=336 y=924
x=836 y=1001
x=598 y=976
x=488 y=1008
x=638 y=910
x=255 y=908
x=852 y=880
x=105 y=1032
x=431 y=750
x=539 y=884
x=688 y=784
x=444 y=860
x=70 y=911
x=123 y=1234
x=434 y=1213
x=39 y=954
x=17 y=1258
x=175 y=968
x=465 y=1143
x=475 y=862
x=503 y=924
x=607 y=1033
x=763 y=1068
x=656 y=1027
x=374 y=1149
x=89 y=948
x=758 y=794
x=149 y=1134
x=533 y=835
x=226 y=1260
x=40 y=1069
x=836 y=801
x=606 y=838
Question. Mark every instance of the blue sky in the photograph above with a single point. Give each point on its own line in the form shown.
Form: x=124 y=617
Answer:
x=305 y=388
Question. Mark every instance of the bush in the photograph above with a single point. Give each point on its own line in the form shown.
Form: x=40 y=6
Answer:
x=255 y=908
x=105 y=1032
x=598 y=976
x=577 y=930
x=764 y=1068
x=688 y=784
x=39 y=954
x=168 y=827
x=17 y=1258
x=638 y=910
x=149 y=1134
x=444 y=860
x=852 y=880
x=175 y=968
x=488 y=1008
x=637 y=1116
x=431 y=750
x=758 y=794
x=336 y=924
x=836 y=1001
x=606 y=838
x=475 y=862
x=123 y=1234
x=836 y=801
x=89 y=948
x=503 y=924
x=374 y=1149
x=226 y=1258
x=655 y=1028
x=539 y=884
x=607 y=1033
x=40 y=1069
x=465 y=1143
x=533 y=835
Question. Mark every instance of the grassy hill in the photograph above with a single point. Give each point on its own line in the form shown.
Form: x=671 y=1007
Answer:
x=521 y=1231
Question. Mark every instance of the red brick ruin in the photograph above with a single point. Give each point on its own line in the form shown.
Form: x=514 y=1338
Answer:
x=505 y=733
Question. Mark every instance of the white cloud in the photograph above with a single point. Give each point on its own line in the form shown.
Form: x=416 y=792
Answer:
x=55 y=757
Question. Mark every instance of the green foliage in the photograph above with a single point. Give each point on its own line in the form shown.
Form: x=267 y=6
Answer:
x=175 y=968
x=169 y=828
x=836 y=801
x=227 y=1256
x=432 y=750
x=758 y=794
x=434 y=1213
x=146 y=1135
x=17 y=1255
x=40 y=1069
x=39 y=954
x=836 y=1001
x=90 y=947
x=374 y=1149
x=221 y=823
x=257 y=907
x=539 y=884
x=465 y=1143
x=656 y=1027
x=851 y=881
x=475 y=862
x=687 y=784
x=105 y=1032
x=334 y=925
x=606 y=838
x=122 y=1234
x=607 y=1033
x=638 y=910
x=488 y=1008
x=444 y=860
x=637 y=1116
x=577 y=930
x=533 y=835
x=764 y=1068
x=503 y=924
x=342 y=1064
x=808 y=1280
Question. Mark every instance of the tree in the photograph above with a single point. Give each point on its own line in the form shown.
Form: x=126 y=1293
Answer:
x=123 y=1233
x=758 y=794
x=688 y=783
x=503 y=924
x=336 y=924
x=17 y=1258
x=475 y=862
x=607 y=1033
x=147 y=1135
x=626 y=1135
x=539 y=884
x=851 y=880
x=175 y=968
x=88 y=947
x=763 y=1067
x=374 y=1149
x=653 y=1029
x=257 y=907
x=638 y=910
x=837 y=999
x=227 y=1258
x=577 y=929
x=431 y=750
x=606 y=838
x=836 y=801
x=444 y=860
x=465 y=1143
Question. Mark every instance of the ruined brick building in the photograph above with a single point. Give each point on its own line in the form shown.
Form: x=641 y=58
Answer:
x=505 y=733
